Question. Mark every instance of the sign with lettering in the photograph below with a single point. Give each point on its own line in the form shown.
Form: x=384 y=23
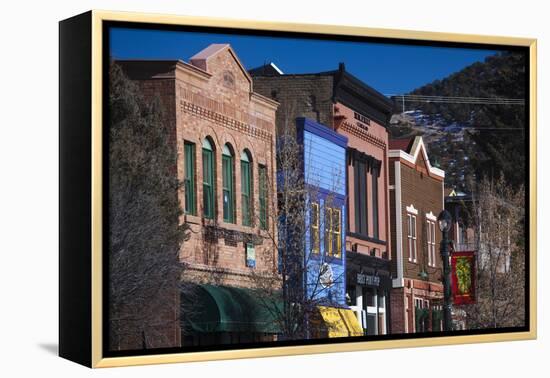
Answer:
x=363 y=121
x=367 y=279
x=250 y=255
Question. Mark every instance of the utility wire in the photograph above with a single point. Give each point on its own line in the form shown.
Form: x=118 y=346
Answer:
x=459 y=100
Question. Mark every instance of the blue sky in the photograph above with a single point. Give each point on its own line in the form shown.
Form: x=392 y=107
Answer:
x=391 y=69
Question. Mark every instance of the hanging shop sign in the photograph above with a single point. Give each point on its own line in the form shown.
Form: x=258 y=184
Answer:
x=463 y=277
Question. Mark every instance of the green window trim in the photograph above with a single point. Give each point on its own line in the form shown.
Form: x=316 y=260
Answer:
x=246 y=193
x=228 y=185
x=262 y=169
x=189 y=178
x=208 y=193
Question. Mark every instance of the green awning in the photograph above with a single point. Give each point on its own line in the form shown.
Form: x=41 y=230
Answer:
x=230 y=309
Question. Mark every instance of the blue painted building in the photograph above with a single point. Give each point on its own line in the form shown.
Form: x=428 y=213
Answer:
x=318 y=231
x=324 y=169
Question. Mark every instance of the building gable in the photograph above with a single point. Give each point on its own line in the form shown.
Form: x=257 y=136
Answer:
x=225 y=67
x=417 y=157
x=421 y=163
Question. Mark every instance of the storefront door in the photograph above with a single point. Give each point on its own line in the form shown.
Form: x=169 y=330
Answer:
x=369 y=305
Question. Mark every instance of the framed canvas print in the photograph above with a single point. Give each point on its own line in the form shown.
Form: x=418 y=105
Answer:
x=234 y=189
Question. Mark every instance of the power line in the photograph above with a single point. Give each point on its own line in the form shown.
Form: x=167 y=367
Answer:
x=459 y=100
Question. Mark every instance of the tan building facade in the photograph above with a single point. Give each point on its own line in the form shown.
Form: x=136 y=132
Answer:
x=416 y=199
x=225 y=138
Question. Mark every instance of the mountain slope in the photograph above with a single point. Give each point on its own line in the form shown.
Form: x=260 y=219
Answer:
x=491 y=137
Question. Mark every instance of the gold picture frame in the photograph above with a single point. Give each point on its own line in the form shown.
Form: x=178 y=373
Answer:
x=90 y=328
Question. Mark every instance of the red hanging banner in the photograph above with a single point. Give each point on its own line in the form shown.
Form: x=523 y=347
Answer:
x=463 y=270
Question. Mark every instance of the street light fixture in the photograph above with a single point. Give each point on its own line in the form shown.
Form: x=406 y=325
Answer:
x=444 y=220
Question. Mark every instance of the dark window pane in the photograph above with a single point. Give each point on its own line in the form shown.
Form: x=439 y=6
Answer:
x=227 y=183
x=245 y=193
x=189 y=180
x=263 y=196
x=208 y=183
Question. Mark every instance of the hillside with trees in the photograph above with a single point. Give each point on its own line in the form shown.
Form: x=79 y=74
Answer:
x=472 y=139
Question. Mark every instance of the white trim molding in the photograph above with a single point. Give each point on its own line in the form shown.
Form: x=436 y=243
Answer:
x=398 y=281
x=411 y=209
x=418 y=145
x=431 y=216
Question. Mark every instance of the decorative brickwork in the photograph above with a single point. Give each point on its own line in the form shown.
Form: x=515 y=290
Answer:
x=225 y=121
x=363 y=135
x=212 y=99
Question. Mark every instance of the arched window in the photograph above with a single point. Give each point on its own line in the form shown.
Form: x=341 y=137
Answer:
x=246 y=187
x=228 y=184
x=189 y=178
x=208 y=179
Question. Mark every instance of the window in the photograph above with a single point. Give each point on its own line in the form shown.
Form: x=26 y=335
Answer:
x=328 y=231
x=421 y=314
x=421 y=303
x=411 y=237
x=314 y=225
x=246 y=188
x=430 y=230
x=228 y=185
x=437 y=318
x=333 y=226
x=336 y=233
x=368 y=297
x=262 y=169
x=189 y=178
x=208 y=175
x=375 y=203
x=360 y=193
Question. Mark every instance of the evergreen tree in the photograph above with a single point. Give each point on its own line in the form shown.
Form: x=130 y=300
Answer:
x=496 y=140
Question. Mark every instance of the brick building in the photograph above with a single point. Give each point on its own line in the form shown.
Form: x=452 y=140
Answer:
x=350 y=107
x=225 y=138
x=416 y=199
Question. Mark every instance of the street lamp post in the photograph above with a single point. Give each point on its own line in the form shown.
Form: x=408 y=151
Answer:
x=444 y=219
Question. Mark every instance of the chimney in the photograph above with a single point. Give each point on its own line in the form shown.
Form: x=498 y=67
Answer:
x=341 y=67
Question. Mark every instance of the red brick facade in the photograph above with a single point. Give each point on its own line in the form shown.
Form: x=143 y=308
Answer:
x=416 y=199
